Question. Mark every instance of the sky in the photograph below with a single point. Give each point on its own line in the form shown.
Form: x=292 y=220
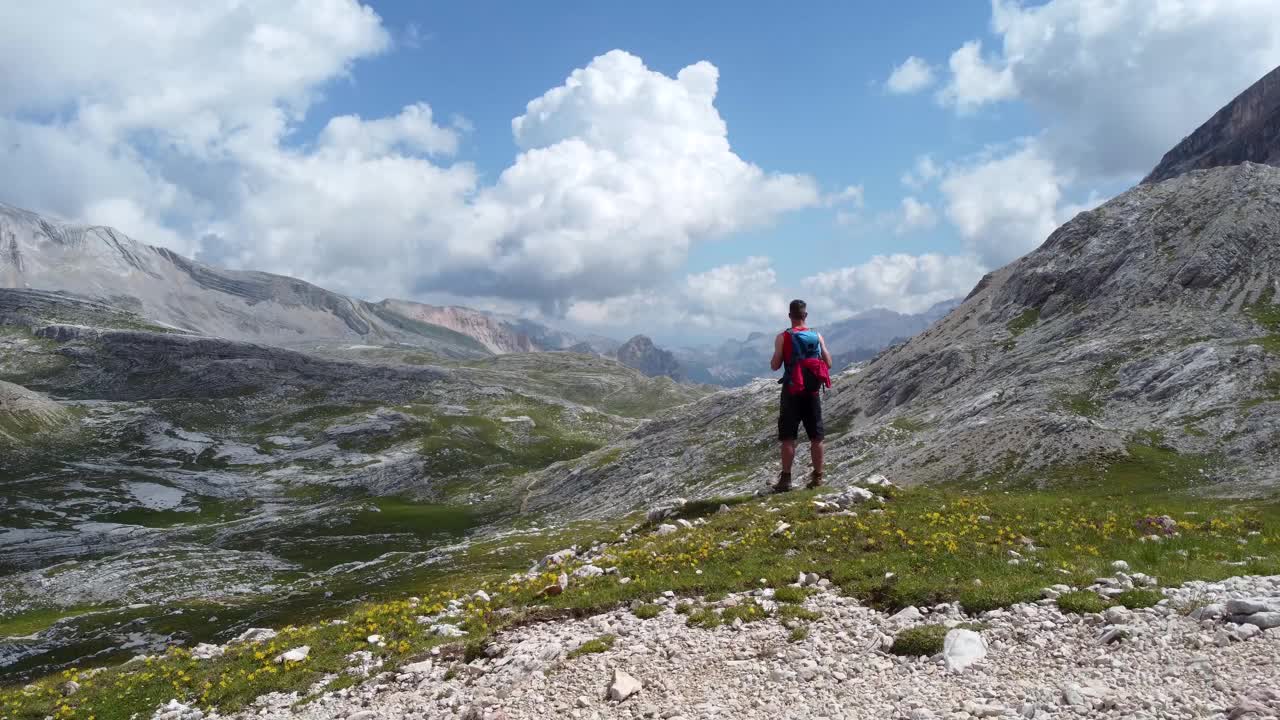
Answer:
x=681 y=169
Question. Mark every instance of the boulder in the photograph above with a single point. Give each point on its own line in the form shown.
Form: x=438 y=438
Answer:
x=962 y=648
x=623 y=686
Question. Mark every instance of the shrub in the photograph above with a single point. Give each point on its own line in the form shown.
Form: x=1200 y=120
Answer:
x=705 y=618
x=647 y=611
x=746 y=612
x=798 y=633
x=919 y=640
x=791 y=594
x=598 y=645
x=684 y=608
x=1081 y=602
x=795 y=612
x=1142 y=598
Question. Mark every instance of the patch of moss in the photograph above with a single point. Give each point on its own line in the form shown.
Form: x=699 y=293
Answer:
x=1139 y=598
x=590 y=647
x=648 y=611
x=918 y=641
x=1081 y=602
x=1023 y=322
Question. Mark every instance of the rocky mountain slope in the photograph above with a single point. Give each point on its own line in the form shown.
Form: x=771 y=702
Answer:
x=165 y=288
x=1246 y=130
x=1142 y=336
x=499 y=333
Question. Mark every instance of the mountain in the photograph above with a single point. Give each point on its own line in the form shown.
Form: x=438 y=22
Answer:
x=640 y=353
x=1246 y=130
x=1141 y=340
x=734 y=363
x=101 y=263
x=497 y=336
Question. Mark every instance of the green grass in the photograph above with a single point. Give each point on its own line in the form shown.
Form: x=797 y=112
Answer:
x=1266 y=313
x=921 y=640
x=791 y=594
x=648 y=611
x=34 y=621
x=706 y=618
x=798 y=634
x=1140 y=598
x=1082 y=602
x=795 y=612
x=1023 y=322
x=590 y=647
x=907 y=424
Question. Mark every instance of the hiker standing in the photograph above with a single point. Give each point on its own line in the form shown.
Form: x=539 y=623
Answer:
x=803 y=354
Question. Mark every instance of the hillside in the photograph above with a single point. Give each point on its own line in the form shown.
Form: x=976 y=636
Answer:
x=192 y=470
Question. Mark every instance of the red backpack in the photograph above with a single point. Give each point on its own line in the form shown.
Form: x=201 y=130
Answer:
x=806 y=373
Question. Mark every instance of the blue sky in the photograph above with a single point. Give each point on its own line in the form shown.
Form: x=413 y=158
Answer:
x=800 y=92
x=680 y=169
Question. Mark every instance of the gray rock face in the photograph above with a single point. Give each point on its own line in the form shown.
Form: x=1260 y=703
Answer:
x=1246 y=130
x=640 y=353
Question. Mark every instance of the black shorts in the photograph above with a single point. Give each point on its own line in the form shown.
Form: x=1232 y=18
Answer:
x=797 y=409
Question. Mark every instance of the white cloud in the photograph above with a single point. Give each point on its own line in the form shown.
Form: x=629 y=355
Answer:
x=1119 y=82
x=729 y=298
x=915 y=215
x=974 y=80
x=181 y=123
x=922 y=173
x=900 y=282
x=912 y=76
x=852 y=196
x=1006 y=203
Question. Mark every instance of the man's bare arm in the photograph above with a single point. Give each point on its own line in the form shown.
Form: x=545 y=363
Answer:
x=776 y=362
x=826 y=356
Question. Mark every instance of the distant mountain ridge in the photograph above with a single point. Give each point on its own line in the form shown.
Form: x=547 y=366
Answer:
x=103 y=264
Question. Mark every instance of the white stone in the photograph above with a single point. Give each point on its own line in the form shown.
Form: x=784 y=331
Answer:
x=297 y=654
x=255 y=635
x=908 y=614
x=780 y=528
x=588 y=571
x=666 y=529
x=1120 y=566
x=962 y=648
x=205 y=651
x=1263 y=620
x=623 y=686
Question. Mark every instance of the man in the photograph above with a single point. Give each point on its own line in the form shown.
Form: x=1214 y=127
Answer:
x=797 y=406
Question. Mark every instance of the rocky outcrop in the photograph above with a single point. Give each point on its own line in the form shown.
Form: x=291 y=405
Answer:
x=1246 y=130
x=25 y=414
x=497 y=336
x=641 y=354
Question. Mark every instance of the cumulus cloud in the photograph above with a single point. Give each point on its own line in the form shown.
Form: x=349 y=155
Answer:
x=922 y=173
x=1005 y=206
x=915 y=215
x=912 y=76
x=901 y=282
x=1118 y=83
x=183 y=126
x=975 y=81
x=732 y=297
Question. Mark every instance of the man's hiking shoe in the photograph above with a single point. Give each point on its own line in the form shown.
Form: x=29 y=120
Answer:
x=815 y=481
x=783 y=484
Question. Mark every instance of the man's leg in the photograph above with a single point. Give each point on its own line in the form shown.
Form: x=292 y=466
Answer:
x=815 y=452
x=813 y=427
x=788 y=428
x=788 y=455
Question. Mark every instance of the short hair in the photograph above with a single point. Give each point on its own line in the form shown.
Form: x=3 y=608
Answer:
x=798 y=309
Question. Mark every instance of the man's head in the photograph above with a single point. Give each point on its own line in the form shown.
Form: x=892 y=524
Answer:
x=798 y=311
